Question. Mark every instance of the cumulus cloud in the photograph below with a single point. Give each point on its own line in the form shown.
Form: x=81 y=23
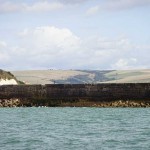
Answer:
x=46 y=46
x=127 y=63
x=49 y=38
x=52 y=47
x=43 y=6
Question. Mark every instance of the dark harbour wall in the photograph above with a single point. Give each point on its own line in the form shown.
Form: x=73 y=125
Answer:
x=101 y=95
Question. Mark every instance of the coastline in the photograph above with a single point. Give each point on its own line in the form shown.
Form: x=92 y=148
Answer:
x=15 y=102
x=77 y=95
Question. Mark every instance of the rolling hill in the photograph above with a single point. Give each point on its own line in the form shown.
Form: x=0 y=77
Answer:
x=82 y=76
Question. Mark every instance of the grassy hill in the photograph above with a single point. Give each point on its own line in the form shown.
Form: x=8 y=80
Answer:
x=82 y=76
x=130 y=76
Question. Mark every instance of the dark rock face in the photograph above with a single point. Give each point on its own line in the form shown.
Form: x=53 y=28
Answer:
x=95 y=95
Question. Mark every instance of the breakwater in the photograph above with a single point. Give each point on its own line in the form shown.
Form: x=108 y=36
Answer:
x=96 y=95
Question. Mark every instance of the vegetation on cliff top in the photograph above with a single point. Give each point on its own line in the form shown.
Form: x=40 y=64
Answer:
x=8 y=75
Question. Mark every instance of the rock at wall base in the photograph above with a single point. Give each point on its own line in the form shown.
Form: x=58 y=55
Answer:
x=15 y=102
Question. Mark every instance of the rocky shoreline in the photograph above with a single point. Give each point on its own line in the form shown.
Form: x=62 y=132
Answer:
x=10 y=102
x=15 y=102
x=117 y=103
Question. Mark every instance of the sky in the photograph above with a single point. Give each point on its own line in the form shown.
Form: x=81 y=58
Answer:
x=74 y=34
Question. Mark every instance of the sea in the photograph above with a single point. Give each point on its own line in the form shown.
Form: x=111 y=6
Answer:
x=64 y=128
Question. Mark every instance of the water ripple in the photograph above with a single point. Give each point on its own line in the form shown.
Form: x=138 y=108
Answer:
x=74 y=128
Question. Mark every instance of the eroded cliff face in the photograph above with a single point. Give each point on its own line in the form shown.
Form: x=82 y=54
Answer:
x=6 y=78
x=95 y=95
x=8 y=82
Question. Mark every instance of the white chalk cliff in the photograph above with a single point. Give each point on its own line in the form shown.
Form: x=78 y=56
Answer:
x=8 y=82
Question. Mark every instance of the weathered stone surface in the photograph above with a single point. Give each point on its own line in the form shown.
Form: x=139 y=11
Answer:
x=95 y=95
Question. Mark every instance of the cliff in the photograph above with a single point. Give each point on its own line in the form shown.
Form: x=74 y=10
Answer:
x=7 y=78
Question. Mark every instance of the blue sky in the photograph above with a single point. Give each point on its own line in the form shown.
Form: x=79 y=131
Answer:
x=74 y=34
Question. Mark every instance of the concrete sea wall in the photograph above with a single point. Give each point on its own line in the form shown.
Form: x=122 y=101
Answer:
x=101 y=95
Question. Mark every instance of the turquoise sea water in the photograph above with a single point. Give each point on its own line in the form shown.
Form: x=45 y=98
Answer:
x=74 y=128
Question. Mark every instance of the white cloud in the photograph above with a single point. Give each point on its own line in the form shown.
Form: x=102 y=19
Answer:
x=49 y=38
x=46 y=46
x=44 y=6
x=52 y=47
x=127 y=63
x=9 y=7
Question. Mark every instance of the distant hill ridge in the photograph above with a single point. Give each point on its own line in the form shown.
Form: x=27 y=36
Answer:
x=82 y=76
